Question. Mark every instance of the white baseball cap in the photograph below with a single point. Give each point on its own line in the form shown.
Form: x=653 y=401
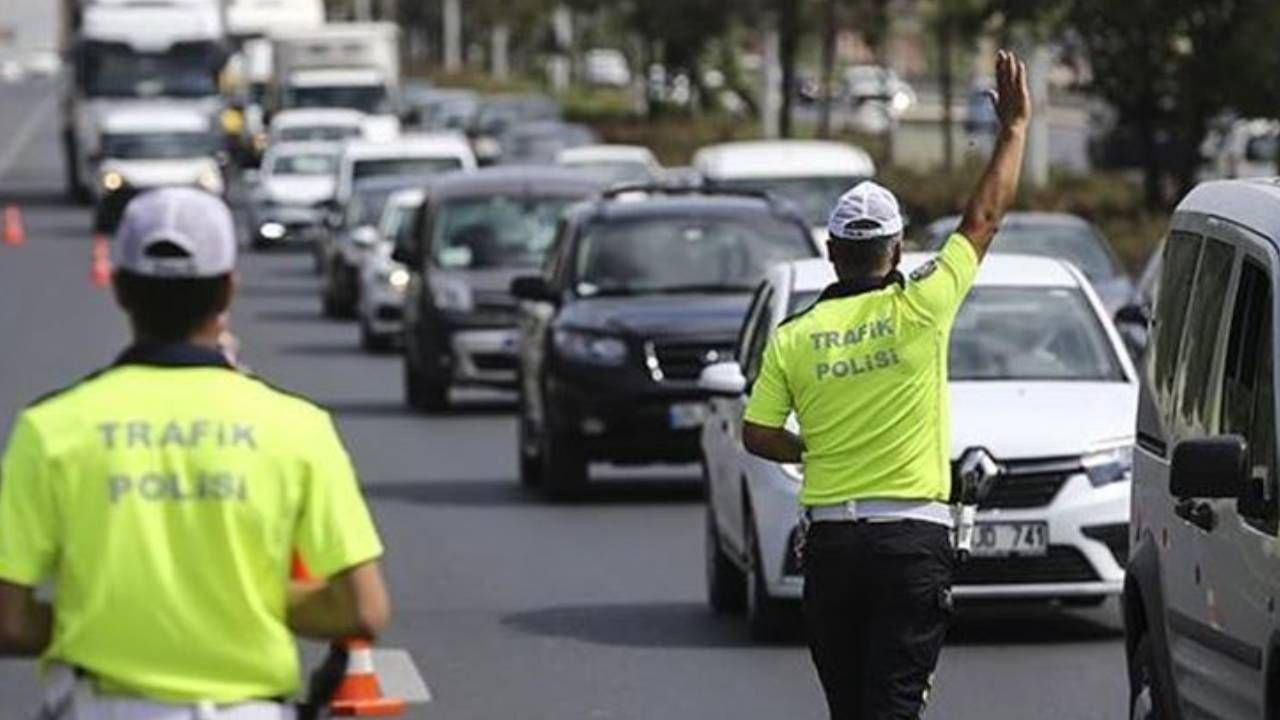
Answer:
x=865 y=211
x=176 y=232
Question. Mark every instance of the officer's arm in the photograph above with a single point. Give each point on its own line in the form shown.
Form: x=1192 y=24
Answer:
x=352 y=603
x=776 y=444
x=999 y=182
x=26 y=624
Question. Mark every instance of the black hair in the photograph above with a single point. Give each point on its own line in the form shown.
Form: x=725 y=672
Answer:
x=863 y=257
x=171 y=309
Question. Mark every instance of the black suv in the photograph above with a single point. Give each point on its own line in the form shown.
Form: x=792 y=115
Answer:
x=475 y=232
x=645 y=287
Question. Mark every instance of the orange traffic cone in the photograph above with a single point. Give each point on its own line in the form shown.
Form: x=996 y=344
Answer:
x=359 y=694
x=14 y=233
x=100 y=265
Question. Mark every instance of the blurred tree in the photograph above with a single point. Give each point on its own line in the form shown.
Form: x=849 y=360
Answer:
x=674 y=34
x=1169 y=67
x=956 y=25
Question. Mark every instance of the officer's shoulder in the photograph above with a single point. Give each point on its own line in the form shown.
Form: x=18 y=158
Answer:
x=287 y=399
x=795 y=317
x=66 y=392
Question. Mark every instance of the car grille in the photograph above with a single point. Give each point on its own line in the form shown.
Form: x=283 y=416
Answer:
x=1060 y=564
x=1029 y=484
x=673 y=360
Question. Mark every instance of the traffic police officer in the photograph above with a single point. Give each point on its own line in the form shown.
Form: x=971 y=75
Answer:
x=864 y=370
x=164 y=496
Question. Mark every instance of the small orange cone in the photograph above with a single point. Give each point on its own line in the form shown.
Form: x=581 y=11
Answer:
x=359 y=694
x=100 y=266
x=14 y=233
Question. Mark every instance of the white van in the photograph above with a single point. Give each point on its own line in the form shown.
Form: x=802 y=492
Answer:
x=1201 y=622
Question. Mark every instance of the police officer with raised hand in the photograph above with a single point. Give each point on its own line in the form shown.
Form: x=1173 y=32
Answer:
x=163 y=498
x=865 y=372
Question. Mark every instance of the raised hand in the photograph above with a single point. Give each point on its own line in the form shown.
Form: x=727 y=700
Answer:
x=1011 y=98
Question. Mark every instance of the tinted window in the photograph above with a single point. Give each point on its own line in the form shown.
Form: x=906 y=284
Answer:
x=1178 y=267
x=1204 y=319
x=1248 y=390
x=159 y=146
x=183 y=70
x=684 y=254
x=1021 y=333
x=496 y=231
x=403 y=166
x=365 y=208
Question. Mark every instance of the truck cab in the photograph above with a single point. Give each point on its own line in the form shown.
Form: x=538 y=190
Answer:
x=126 y=51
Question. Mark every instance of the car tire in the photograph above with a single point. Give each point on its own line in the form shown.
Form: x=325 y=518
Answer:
x=769 y=619
x=422 y=392
x=373 y=342
x=527 y=455
x=564 y=465
x=726 y=583
x=1144 y=692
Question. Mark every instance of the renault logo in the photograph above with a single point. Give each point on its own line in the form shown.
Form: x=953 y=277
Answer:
x=977 y=472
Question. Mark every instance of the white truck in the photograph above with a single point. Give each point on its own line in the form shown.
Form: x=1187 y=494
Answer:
x=341 y=65
x=126 y=51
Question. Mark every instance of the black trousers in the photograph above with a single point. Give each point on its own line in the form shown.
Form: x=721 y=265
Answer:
x=877 y=604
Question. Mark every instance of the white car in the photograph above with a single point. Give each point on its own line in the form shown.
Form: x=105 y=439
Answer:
x=811 y=174
x=1039 y=380
x=622 y=163
x=295 y=182
x=317 y=125
x=417 y=155
x=380 y=304
x=153 y=145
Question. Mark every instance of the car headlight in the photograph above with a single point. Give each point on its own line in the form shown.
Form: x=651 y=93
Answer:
x=589 y=347
x=398 y=278
x=1110 y=465
x=452 y=295
x=272 y=230
x=210 y=181
x=112 y=181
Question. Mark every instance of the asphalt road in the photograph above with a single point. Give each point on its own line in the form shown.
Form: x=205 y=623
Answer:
x=512 y=607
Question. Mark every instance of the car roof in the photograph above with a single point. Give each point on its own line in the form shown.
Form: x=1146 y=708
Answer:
x=995 y=271
x=409 y=196
x=783 y=158
x=548 y=179
x=157 y=117
x=437 y=144
x=317 y=116
x=641 y=204
x=1254 y=203
x=1021 y=218
x=606 y=153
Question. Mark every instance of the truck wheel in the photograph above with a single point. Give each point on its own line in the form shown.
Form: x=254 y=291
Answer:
x=726 y=584
x=564 y=466
x=768 y=618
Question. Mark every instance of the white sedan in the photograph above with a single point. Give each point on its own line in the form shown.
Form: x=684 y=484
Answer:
x=1039 y=380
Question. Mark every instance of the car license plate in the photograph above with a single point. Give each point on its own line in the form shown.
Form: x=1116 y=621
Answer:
x=992 y=539
x=687 y=415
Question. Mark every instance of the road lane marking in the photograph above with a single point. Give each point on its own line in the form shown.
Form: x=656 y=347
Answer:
x=23 y=136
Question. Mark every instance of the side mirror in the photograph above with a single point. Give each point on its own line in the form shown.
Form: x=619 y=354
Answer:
x=533 y=288
x=1133 y=315
x=724 y=379
x=366 y=236
x=1216 y=467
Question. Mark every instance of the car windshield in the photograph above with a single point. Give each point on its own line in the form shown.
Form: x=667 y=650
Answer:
x=813 y=197
x=308 y=164
x=185 y=70
x=497 y=231
x=318 y=133
x=158 y=146
x=381 y=167
x=1030 y=333
x=366 y=206
x=684 y=254
x=1077 y=244
x=365 y=98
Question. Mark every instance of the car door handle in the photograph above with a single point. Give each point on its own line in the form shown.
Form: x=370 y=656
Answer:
x=1198 y=513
